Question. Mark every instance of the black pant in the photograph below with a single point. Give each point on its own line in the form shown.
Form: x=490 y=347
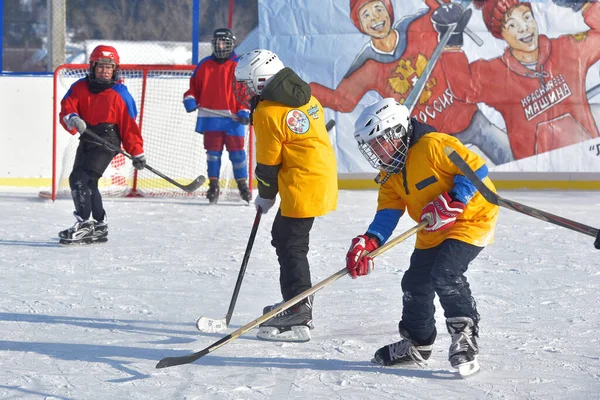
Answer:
x=438 y=270
x=291 y=239
x=91 y=161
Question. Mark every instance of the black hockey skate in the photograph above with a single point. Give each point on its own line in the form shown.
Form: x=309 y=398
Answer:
x=245 y=192
x=291 y=325
x=406 y=351
x=463 y=350
x=101 y=231
x=212 y=194
x=270 y=307
x=80 y=233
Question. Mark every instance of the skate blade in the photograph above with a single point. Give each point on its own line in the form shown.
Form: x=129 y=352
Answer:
x=411 y=363
x=296 y=334
x=68 y=242
x=468 y=369
x=209 y=325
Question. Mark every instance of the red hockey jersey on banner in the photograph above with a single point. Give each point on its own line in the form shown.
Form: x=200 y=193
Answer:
x=544 y=109
x=437 y=106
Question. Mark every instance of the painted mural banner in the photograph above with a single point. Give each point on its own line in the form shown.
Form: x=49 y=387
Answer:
x=519 y=82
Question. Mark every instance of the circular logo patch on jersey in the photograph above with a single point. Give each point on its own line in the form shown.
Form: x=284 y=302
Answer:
x=297 y=121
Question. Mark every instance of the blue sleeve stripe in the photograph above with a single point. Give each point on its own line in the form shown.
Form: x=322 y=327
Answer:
x=126 y=96
x=384 y=223
x=464 y=190
x=200 y=63
x=68 y=94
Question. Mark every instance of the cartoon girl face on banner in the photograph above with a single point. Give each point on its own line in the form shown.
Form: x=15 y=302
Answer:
x=297 y=121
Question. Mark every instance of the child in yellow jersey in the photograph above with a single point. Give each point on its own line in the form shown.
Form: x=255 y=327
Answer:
x=417 y=177
x=295 y=158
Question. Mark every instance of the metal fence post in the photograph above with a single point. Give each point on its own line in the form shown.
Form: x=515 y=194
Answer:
x=1 y=32
x=57 y=33
x=195 y=31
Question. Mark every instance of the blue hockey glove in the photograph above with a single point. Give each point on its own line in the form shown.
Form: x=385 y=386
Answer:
x=190 y=104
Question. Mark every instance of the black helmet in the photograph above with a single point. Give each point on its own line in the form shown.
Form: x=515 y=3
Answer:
x=223 y=43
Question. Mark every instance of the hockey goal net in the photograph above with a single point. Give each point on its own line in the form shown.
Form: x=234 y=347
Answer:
x=170 y=143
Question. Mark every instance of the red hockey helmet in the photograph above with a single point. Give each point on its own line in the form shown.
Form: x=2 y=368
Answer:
x=104 y=55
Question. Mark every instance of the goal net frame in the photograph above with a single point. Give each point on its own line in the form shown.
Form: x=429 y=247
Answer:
x=171 y=144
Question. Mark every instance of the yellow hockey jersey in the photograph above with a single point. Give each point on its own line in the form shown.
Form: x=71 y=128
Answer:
x=428 y=173
x=296 y=139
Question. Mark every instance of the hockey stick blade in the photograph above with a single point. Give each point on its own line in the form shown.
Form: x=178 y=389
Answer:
x=190 y=358
x=195 y=184
x=494 y=198
x=189 y=188
x=329 y=126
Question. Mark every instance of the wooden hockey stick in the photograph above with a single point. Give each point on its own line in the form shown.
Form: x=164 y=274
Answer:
x=173 y=361
x=494 y=198
x=195 y=184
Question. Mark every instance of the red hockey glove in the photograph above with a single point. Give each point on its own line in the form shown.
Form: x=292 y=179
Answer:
x=442 y=212
x=358 y=262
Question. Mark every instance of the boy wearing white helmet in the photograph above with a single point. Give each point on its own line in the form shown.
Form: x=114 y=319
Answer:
x=417 y=177
x=295 y=158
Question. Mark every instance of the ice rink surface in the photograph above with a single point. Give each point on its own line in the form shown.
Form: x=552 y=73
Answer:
x=90 y=322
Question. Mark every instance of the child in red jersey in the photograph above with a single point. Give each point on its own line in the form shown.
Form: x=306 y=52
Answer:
x=102 y=104
x=211 y=87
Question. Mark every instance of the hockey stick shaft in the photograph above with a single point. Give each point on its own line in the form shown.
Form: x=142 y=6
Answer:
x=219 y=113
x=240 y=278
x=195 y=184
x=329 y=125
x=592 y=92
x=413 y=97
x=494 y=198
x=173 y=361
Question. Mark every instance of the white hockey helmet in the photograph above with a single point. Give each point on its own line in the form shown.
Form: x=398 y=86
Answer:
x=256 y=68
x=382 y=133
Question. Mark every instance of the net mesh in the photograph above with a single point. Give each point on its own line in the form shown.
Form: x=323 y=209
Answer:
x=170 y=143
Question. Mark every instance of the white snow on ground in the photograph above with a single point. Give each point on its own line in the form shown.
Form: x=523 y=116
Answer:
x=90 y=322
